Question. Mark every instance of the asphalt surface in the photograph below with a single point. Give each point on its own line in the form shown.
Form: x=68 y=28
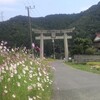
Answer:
x=73 y=84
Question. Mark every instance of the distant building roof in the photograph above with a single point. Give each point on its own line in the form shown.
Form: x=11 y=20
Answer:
x=97 y=38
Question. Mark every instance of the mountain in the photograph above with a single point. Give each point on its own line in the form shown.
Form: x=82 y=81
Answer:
x=89 y=22
x=16 y=30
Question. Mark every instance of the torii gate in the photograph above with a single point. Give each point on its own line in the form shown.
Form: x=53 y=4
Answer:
x=53 y=36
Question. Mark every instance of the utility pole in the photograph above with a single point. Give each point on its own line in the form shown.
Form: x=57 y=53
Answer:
x=30 y=28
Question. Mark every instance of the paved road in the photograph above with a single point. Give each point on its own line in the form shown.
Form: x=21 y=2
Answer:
x=73 y=84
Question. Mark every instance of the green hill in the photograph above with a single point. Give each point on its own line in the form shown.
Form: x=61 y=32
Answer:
x=16 y=30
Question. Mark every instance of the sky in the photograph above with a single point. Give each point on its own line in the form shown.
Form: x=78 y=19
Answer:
x=41 y=8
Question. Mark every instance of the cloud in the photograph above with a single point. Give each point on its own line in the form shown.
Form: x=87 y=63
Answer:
x=7 y=1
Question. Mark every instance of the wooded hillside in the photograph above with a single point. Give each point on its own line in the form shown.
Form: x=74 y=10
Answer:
x=16 y=30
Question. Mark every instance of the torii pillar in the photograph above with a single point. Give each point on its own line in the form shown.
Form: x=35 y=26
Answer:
x=41 y=46
x=66 y=46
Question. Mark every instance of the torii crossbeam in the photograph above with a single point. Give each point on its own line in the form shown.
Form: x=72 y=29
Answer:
x=53 y=36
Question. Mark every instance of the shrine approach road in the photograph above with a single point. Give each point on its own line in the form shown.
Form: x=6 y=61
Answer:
x=74 y=84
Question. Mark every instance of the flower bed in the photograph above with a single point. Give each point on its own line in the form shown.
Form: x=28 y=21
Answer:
x=22 y=78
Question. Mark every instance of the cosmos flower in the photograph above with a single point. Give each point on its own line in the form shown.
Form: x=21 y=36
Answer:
x=20 y=71
x=19 y=77
x=18 y=84
x=8 y=79
x=25 y=81
x=29 y=88
x=5 y=91
x=34 y=98
x=31 y=62
x=29 y=98
x=33 y=45
x=11 y=74
x=14 y=96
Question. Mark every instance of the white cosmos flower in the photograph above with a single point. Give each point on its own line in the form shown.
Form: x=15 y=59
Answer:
x=14 y=96
x=23 y=65
x=29 y=88
x=3 y=71
x=23 y=62
x=8 y=50
x=1 y=78
x=18 y=63
x=31 y=71
x=5 y=87
x=38 y=97
x=5 y=47
x=0 y=47
x=15 y=71
x=40 y=74
x=34 y=98
x=39 y=85
x=11 y=75
x=45 y=80
x=25 y=81
x=31 y=62
x=44 y=72
x=47 y=86
x=47 y=77
x=11 y=68
x=19 y=77
x=38 y=63
x=15 y=66
x=35 y=74
x=2 y=68
x=5 y=91
x=24 y=72
x=26 y=68
x=18 y=84
x=29 y=98
x=7 y=68
x=38 y=69
x=30 y=75
x=42 y=89
x=34 y=85
x=5 y=42
x=38 y=78
x=9 y=79
x=12 y=50
x=1 y=44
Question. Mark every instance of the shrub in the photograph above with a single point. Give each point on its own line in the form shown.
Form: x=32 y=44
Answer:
x=90 y=50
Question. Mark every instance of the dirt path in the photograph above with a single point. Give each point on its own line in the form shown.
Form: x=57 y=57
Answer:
x=73 y=84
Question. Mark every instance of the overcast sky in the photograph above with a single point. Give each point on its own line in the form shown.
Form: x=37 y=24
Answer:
x=11 y=8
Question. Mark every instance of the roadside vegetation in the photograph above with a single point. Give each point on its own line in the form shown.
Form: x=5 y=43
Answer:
x=22 y=77
x=93 y=67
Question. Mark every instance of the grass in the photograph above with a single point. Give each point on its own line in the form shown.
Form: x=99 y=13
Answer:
x=85 y=67
x=93 y=63
x=22 y=78
x=1 y=59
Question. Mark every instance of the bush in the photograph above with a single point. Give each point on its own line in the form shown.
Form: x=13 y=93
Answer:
x=90 y=51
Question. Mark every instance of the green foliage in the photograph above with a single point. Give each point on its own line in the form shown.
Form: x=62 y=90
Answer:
x=93 y=63
x=81 y=46
x=84 y=67
x=90 y=50
x=1 y=59
x=87 y=23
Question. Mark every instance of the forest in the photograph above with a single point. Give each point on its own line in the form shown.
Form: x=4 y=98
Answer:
x=16 y=31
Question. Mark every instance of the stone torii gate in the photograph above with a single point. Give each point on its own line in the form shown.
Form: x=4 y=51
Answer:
x=53 y=36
